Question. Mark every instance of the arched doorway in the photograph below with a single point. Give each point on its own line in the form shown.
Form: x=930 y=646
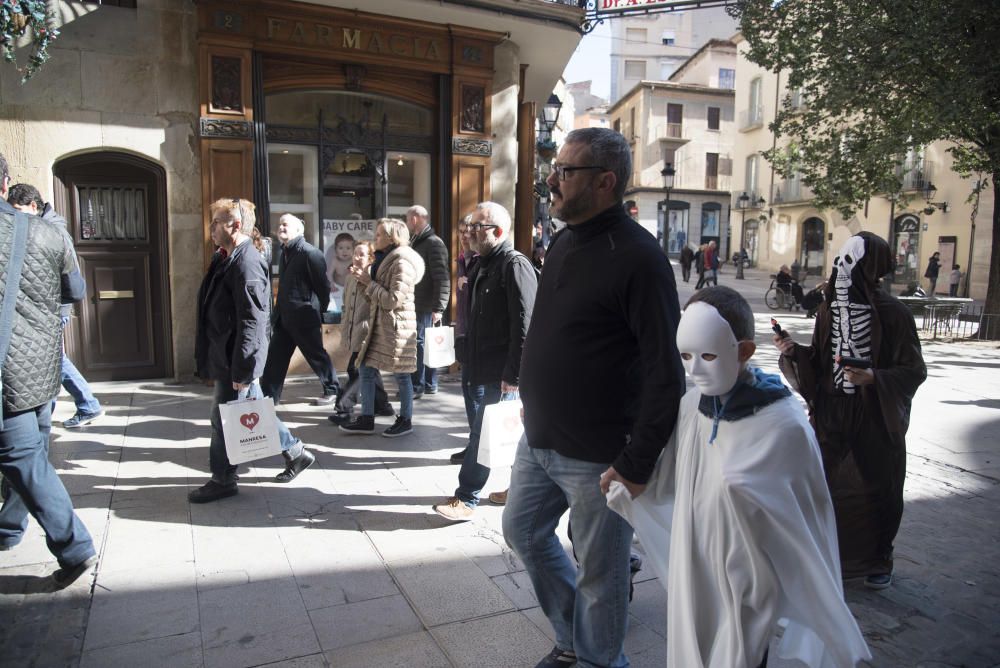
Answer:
x=812 y=253
x=115 y=205
x=906 y=248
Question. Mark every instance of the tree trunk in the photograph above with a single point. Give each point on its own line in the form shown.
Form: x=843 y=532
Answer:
x=991 y=323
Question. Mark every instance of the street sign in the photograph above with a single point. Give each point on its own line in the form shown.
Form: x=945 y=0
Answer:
x=609 y=8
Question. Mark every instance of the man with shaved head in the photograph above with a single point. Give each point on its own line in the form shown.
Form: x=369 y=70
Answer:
x=303 y=296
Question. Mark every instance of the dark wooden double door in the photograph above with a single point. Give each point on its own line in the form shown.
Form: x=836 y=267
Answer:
x=115 y=205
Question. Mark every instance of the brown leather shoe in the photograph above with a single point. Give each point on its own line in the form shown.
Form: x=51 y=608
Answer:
x=498 y=498
x=454 y=509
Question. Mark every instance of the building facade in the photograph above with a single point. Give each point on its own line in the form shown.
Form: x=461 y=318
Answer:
x=777 y=222
x=687 y=123
x=145 y=115
x=651 y=47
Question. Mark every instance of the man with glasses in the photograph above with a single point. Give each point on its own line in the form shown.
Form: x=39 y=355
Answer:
x=503 y=296
x=601 y=382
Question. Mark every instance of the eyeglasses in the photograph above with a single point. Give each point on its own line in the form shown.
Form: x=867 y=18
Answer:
x=563 y=172
x=475 y=227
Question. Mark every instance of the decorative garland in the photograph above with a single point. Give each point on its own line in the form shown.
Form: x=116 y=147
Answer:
x=16 y=18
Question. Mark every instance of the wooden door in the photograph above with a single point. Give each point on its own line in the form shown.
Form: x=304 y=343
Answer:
x=115 y=207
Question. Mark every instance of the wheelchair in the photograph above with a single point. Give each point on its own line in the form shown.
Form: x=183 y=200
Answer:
x=779 y=296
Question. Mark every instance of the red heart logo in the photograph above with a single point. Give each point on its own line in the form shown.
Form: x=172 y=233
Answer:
x=439 y=340
x=249 y=420
x=511 y=423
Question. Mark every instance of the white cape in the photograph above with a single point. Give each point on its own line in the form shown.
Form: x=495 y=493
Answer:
x=741 y=532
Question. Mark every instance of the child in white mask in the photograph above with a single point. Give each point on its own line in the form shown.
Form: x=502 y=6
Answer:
x=740 y=498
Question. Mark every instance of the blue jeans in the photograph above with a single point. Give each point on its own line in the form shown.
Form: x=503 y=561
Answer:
x=34 y=487
x=218 y=461
x=472 y=476
x=473 y=394
x=74 y=383
x=424 y=377
x=403 y=380
x=588 y=604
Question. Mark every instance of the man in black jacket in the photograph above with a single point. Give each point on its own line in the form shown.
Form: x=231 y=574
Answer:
x=432 y=292
x=303 y=295
x=231 y=341
x=42 y=256
x=601 y=382
x=503 y=296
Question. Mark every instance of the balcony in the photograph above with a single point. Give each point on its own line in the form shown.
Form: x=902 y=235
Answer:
x=751 y=119
x=754 y=195
x=718 y=182
x=676 y=134
x=791 y=191
x=915 y=174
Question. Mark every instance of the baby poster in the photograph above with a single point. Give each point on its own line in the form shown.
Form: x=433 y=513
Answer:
x=339 y=237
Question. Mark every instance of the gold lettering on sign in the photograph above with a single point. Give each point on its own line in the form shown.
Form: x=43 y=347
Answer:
x=324 y=34
x=397 y=44
x=352 y=38
x=273 y=26
x=298 y=33
x=375 y=43
x=432 y=51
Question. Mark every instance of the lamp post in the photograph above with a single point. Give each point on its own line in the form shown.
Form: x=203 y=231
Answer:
x=547 y=124
x=742 y=202
x=668 y=174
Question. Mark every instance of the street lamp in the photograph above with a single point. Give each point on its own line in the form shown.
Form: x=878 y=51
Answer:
x=742 y=202
x=668 y=174
x=550 y=113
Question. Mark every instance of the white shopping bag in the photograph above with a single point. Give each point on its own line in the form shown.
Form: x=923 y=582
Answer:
x=250 y=428
x=439 y=347
x=502 y=429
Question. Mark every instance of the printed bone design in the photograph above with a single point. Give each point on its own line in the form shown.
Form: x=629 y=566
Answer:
x=249 y=420
x=851 y=322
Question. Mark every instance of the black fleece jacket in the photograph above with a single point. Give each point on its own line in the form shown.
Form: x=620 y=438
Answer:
x=601 y=378
x=434 y=290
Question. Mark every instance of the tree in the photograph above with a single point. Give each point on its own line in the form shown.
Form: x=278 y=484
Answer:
x=882 y=78
x=17 y=17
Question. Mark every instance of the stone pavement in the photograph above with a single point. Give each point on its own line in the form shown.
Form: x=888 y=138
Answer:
x=348 y=566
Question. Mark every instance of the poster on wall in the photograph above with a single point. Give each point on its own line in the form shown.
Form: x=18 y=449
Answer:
x=338 y=241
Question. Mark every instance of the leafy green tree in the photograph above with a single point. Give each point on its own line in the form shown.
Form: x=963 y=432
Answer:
x=881 y=78
x=18 y=17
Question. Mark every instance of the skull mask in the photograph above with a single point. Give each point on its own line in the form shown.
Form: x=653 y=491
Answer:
x=850 y=254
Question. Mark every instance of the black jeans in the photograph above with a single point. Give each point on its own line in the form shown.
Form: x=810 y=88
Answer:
x=284 y=341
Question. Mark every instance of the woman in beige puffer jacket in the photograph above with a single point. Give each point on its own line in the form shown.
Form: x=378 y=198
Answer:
x=391 y=343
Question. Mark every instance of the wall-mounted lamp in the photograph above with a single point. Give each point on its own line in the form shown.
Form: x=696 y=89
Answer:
x=400 y=161
x=929 y=192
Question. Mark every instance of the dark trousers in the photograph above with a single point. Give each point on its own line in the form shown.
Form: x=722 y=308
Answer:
x=424 y=377
x=473 y=394
x=686 y=272
x=32 y=486
x=472 y=476
x=284 y=341
x=352 y=394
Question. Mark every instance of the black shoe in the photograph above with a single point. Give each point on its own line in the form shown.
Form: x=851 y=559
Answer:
x=879 y=581
x=386 y=411
x=64 y=577
x=401 y=427
x=363 y=424
x=339 y=418
x=458 y=457
x=212 y=491
x=558 y=658
x=295 y=466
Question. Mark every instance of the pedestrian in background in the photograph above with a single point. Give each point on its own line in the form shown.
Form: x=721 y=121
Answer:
x=391 y=344
x=933 y=268
x=26 y=198
x=467 y=265
x=687 y=257
x=37 y=257
x=954 y=279
x=860 y=410
x=699 y=266
x=432 y=293
x=605 y=316
x=297 y=318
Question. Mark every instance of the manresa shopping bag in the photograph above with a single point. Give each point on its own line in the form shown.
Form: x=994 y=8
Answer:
x=502 y=429
x=250 y=428
x=439 y=347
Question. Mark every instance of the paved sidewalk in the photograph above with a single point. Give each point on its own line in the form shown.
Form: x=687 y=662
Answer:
x=348 y=566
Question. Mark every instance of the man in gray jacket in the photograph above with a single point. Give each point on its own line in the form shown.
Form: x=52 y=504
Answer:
x=432 y=293
x=39 y=258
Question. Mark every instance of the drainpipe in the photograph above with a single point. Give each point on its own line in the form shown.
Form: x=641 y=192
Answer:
x=774 y=144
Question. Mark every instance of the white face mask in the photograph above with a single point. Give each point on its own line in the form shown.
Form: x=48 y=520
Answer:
x=703 y=333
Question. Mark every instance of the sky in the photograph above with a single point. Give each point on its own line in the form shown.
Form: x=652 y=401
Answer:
x=592 y=60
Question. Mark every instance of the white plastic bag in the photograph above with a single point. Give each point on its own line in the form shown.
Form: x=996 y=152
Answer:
x=501 y=430
x=439 y=347
x=250 y=428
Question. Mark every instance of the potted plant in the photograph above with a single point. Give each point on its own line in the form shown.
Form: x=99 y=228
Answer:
x=546 y=148
x=18 y=17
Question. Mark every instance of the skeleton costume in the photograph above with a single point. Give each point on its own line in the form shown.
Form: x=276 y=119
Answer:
x=861 y=430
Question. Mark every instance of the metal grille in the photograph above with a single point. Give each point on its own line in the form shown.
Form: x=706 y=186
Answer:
x=113 y=213
x=945 y=321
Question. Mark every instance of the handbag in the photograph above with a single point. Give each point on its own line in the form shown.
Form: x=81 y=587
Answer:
x=439 y=347
x=499 y=434
x=250 y=428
